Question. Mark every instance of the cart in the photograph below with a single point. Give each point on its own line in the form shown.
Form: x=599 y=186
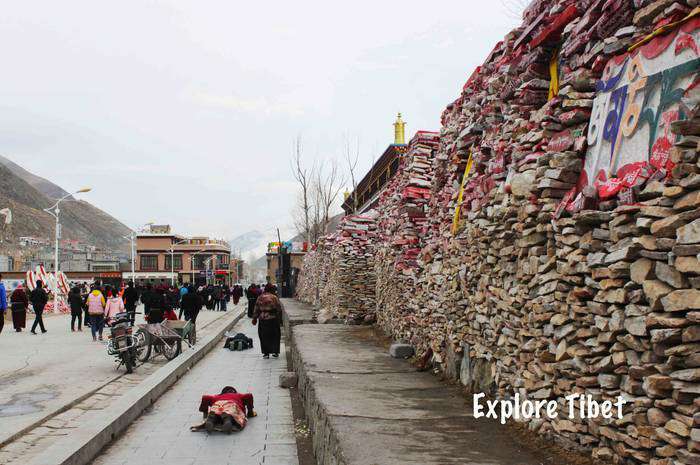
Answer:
x=185 y=329
x=157 y=339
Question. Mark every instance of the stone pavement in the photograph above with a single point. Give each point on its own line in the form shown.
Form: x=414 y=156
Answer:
x=40 y=374
x=163 y=436
x=366 y=408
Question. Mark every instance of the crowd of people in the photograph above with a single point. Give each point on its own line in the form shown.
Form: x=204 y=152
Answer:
x=94 y=305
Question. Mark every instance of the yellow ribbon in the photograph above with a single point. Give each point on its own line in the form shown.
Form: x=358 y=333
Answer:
x=664 y=29
x=554 y=75
x=467 y=169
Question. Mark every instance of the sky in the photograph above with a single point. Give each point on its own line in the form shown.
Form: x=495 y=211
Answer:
x=185 y=112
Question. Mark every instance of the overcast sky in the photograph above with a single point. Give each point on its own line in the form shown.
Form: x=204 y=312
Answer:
x=184 y=112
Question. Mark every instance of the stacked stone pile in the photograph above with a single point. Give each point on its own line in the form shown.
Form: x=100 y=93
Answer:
x=574 y=266
x=350 y=291
x=402 y=221
x=315 y=271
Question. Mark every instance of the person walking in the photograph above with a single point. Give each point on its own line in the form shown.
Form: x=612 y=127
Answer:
x=184 y=290
x=96 y=309
x=19 y=304
x=236 y=293
x=39 y=299
x=268 y=316
x=252 y=295
x=114 y=305
x=146 y=298
x=131 y=301
x=75 y=300
x=3 y=303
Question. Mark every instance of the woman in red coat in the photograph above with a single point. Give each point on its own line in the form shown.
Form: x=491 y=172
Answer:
x=226 y=411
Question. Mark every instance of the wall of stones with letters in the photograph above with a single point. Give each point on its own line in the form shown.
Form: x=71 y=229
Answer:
x=557 y=248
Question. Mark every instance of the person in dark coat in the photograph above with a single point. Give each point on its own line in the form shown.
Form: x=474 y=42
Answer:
x=131 y=300
x=39 y=300
x=268 y=316
x=19 y=304
x=252 y=295
x=190 y=304
x=157 y=307
x=236 y=293
x=75 y=300
x=146 y=298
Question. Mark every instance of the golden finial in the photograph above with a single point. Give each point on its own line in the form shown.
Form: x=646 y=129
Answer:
x=399 y=130
x=346 y=194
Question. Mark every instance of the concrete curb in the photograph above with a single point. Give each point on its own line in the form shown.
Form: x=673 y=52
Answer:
x=83 y=444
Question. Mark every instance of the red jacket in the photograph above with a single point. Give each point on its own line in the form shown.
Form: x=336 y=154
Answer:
x=242 y=400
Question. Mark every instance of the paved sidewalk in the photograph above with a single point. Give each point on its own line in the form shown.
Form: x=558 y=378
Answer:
x=163 y=436
x=41 y=373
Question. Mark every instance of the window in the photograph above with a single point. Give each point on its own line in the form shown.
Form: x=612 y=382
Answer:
x=177 y=261
x=149 y=262
x=199 y=262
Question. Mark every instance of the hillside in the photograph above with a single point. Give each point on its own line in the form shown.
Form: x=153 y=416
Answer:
x=27 y=195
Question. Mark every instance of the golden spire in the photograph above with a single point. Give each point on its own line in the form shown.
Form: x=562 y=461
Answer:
x=399 y=133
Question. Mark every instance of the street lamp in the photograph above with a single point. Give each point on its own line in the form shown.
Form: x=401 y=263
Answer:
x=197 y=253
x=55 y=212
x=172 y=259
x=132 y=237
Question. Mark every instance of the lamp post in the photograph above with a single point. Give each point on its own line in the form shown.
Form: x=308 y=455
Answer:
x=192 y=258
x=172 y=259
x=132 y=238
x=55 y=211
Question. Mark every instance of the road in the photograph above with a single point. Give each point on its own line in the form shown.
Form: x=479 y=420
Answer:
x=162 y=436
x=42 y=373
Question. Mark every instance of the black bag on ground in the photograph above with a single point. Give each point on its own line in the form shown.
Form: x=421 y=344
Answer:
x=238 y=342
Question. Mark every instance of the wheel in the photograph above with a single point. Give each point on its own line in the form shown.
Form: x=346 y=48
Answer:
x=143 y=346
x=170 y=351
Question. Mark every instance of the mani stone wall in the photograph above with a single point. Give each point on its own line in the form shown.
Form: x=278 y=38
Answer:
x=575 y=265
x=401 y=223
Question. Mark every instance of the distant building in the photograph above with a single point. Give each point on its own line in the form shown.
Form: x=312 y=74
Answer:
x=366 y=193
x=6 y=263
x=163 y=255
x=283 y=270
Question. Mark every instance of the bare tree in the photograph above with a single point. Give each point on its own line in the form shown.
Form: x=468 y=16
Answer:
x=304 y=176
x=329 y=183
x=514 y=8
x=352 y=159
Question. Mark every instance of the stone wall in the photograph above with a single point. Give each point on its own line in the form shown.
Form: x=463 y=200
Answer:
x=574 y=264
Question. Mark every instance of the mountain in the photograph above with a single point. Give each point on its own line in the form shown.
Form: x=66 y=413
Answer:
x=27 y=195
x=252 y=241
x=44 y=186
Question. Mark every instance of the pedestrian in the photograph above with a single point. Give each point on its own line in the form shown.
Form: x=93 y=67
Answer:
x=84 y=292
x=39 y=299
x=131 y=300
x=156 y=313
x=268 y=316
x=146 y=298
x=183 y=292
x=187 y=304
x=236 y=293
x=96 y=309
x=75 y=301
x=269 y=287
x=252 y=295
x=3 y=303
x=19 y=303
x=114 y=305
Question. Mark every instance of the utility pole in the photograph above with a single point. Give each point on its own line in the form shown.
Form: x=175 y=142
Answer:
x=55 y=211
